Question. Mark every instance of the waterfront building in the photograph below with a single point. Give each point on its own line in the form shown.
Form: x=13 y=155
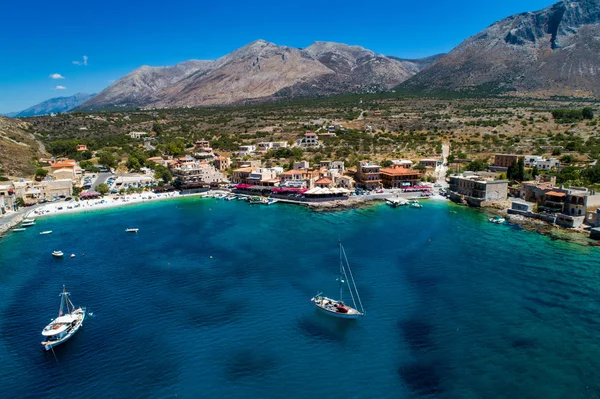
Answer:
x=324 y=182
x=398 y=176
x=7 y=198
x=241 y=175
x=66 y=169
x=368 y=175
x=344 y=182
x=56 y=188
x=197 y=172
x=476 y=190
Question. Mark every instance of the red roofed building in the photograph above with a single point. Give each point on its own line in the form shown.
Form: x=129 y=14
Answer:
x=397 y=176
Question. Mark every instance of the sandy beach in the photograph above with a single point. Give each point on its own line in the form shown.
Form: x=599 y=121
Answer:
x=62 y=207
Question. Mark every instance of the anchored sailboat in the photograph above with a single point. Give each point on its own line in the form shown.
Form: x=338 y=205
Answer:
x=338 y=308
x=65 y=325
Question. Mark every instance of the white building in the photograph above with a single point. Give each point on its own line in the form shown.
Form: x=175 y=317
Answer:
x=301 y=165
x=198 y=172
x=246 y=150
x=310 y=140
x=137 y=135
x=548 y=164
x=531 y=160
x=405 y=163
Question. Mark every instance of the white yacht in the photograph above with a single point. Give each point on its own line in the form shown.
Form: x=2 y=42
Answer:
x=337 y=307
x=45 y=232
x=68 y=322
x=132 y=230
x=57 y=254
x=396 y=202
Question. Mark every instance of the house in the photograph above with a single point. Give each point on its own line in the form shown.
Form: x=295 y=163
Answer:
x=201 y=145
x=240 y=163
x=81 y=148
x=300 y=178
x=476 y=190
x=164 y=160
x=56 y=188
x=310 y=140
x=368 y=175
x=344 y=182
x=66 y=169
x=522 y=206
x=301 y=165
x=222 y=163
x=503 y=161
x=531 y=160
x=324 y=182
x=429 y=163
x=241 y=175
x=405 y=163
x=137 y=135
x=248 y=149
x=548 y=164
x=397 y=176
x=7 y=198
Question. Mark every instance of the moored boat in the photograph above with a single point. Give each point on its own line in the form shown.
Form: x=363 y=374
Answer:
x=28 y=224
x=415 y=204
x=65 y=325
x=45 y=232
x=255 y=200
x=57 y=254
x=132 y=230
x=337 y=308
x=396 y=202
x=19 y=229
x=497 y=219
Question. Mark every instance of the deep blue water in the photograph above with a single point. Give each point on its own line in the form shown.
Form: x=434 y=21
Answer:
x=212 y=299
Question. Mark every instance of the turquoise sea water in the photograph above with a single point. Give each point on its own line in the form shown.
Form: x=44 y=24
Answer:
x=212 y=299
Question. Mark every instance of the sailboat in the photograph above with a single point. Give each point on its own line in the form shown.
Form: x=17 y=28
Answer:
x=65 y=325
x=338 y=308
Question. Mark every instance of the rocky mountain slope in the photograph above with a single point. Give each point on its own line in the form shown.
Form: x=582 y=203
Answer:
x=256 y=72
x=18 y=148
x=54 y=105
x=555 y=50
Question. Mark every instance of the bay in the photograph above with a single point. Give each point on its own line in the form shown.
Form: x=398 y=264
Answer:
x=212 y=299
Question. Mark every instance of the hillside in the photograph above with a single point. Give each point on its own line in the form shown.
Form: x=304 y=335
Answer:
x=555 y=50
x=18 y=148
x=259 y=71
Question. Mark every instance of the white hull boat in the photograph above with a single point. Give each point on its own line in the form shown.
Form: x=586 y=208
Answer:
x=57 y=254
x=415 y=204
x=131 y=230
x=497 y=220
x=396 y=202
x=19 y=229
x=45 y=232
x=65 y=325
x=337 y=308
x=27 y=224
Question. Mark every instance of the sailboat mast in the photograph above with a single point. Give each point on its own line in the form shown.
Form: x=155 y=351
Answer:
x=341 y=273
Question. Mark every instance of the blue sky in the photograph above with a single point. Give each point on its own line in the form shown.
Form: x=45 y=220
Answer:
x=44 y=38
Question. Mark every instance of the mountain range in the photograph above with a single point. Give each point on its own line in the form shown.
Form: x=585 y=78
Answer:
x=555 y=50
x=552 y=51
x=259 y=71
x=52 y=106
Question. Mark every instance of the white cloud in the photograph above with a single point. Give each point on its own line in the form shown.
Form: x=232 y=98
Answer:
x=84 y=62
x=56 y=76
x=60 y=88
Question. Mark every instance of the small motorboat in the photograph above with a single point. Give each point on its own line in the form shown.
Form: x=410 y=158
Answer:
x=28 y=220
x=57 y=254
x=396 y=202
x=415 y=204
x=131 y=230
x=45 y=232
x=19 y=229
x=497 y=219
x=72 y=255
x=28 y=224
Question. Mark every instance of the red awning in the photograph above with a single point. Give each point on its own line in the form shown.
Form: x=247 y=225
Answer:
x=242 y=186
x=289 y=190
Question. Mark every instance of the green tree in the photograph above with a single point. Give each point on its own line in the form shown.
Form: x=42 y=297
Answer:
x=587 y=113
x=535 y=172
x=162 y=173
x=40 y=173
x=107 y=159
x=477 y=165
x=102 y=188
x=157 y=128
x=20 y=202
x=133 y=163
x=520 y=170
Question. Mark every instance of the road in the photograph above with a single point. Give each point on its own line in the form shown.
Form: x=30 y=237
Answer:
x=442 y=170
x=100 y=179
